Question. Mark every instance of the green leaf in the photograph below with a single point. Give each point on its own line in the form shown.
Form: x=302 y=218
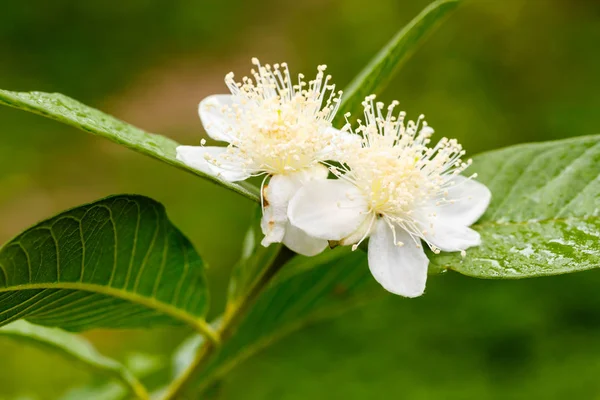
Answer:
x=114 y=263
x=380 y=70
x=75 y=348
x=544 y=218
x=71 y=112
x=254 y=260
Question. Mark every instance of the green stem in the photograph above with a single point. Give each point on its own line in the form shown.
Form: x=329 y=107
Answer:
x=136 y=388
x=228 y=327
x=209 y=333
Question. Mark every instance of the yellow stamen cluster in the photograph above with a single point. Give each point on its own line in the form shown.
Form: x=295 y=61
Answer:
x=278 y=126
x=391 y=163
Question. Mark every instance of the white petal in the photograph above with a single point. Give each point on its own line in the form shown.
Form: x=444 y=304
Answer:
x=216 y=122
x=302 y=177
x=362 y=232
x=400 y=270
x=446 y=224
x=328 y=209
x=339 y=141
x=469 y=200
x=195 y=157
x=342 y=137
x=451 y=236
x=273 y=229
x=277 y=195
x=301 y=243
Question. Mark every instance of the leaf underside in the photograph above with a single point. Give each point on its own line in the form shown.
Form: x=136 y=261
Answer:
x=115 y=263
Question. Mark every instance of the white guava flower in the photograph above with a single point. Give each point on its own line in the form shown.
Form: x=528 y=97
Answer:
x=398 y=191
x=277 y=128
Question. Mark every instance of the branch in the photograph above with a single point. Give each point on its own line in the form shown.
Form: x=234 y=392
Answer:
x=228 y=328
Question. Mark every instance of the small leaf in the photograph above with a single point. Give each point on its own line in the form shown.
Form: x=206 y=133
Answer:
x=380 y=70
x=255 y=259
x=71 y=112
x=544 y=218
x=115 y=263
x=74 y=348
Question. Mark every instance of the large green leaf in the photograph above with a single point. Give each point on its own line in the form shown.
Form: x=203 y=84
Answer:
x=380 y=70
x=71 y=112
x=544 y=218
x=118 y=262
x=74 y=348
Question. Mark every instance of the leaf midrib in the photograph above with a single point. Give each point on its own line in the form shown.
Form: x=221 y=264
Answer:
x=149 y=302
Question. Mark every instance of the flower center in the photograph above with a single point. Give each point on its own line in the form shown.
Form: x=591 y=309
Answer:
x=280 y=126
x=395 y=169
x=391 y=181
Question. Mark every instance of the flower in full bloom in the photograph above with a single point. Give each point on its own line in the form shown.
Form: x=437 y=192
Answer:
x=276 y=127
x=398 y=191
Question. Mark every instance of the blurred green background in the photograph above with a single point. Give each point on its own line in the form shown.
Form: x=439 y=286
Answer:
x=496 y=73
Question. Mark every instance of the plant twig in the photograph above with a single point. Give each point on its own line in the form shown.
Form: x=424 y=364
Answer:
x=228 y=328
x=137 y=389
